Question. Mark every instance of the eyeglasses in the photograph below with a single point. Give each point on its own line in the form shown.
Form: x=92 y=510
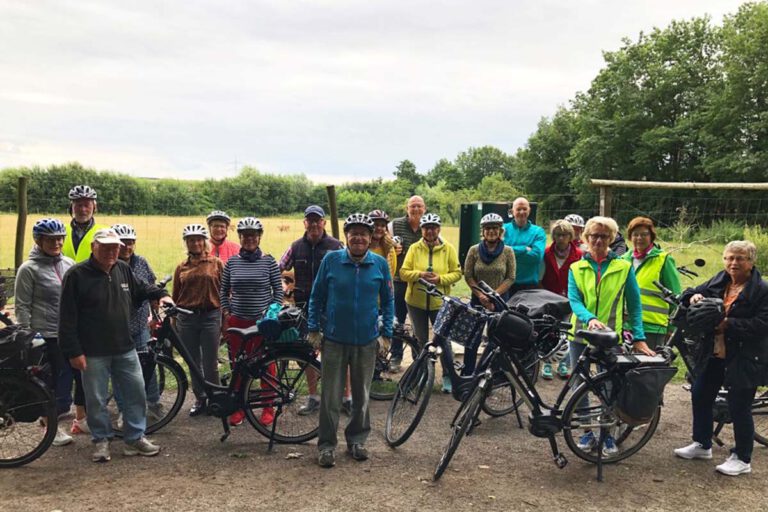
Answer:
x=641 y=234
x=314 y=221
x=251 y=234
x=598 y=236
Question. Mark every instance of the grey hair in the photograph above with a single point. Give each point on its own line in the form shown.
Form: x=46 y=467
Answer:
x=607 y=222
x=743 y=246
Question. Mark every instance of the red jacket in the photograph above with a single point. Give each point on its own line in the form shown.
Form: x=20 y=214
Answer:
x=556 y=279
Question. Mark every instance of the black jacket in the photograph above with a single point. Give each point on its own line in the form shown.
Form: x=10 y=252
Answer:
x=746 y=333
x=96 y=307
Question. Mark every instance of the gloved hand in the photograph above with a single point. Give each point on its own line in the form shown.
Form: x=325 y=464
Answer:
x=384 y=344
x=315 y=339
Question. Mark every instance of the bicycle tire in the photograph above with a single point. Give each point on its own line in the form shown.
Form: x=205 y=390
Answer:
x=288 y=390
x=410 y=401
x=384 y=384
x=460 y=426
x=498 y=400
x=598 y=416
x=172 y=387
x=760 y=417
x=23 y=401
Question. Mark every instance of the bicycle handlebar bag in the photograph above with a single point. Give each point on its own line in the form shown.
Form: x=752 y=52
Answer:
x=457 y=321
x=542 y=302
x=512 y=330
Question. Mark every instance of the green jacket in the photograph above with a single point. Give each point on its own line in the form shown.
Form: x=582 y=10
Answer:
x=659 y=266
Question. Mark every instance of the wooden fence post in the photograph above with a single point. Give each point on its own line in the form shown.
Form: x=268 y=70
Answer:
x=21 y=221
x=331 y=191
x=606 y=198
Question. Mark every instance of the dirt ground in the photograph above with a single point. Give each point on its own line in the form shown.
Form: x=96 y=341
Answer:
x=499 y=467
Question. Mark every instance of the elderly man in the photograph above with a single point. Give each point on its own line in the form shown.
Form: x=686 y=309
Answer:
x=97 y=299
x=409 y=231
x=528 y=241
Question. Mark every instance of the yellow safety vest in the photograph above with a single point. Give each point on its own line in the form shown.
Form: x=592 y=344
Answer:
x=655 y=310
x=606 y=300
x=84 y=249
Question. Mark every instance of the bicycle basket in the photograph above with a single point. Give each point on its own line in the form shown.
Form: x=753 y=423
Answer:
x=641 y=393
x=542 y=302
x=512 y=330
x=458 y=322
x=16 y=350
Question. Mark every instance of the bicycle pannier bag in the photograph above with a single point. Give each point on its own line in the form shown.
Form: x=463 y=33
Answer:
x=642 y=392
x=16 y=348
x=542 y=302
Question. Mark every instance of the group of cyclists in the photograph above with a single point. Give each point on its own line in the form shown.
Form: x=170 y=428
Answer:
x=227 y=284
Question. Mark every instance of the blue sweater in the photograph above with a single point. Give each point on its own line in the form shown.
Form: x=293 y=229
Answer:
x=349 y=295
x=528 y=261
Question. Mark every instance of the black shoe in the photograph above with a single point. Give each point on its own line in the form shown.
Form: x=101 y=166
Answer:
x=198 y=408
x=358 y=452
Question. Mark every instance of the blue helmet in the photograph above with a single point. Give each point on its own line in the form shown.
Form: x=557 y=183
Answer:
x=48 y=227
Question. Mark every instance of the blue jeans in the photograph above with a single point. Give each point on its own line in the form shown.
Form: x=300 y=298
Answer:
x=703 y=394
x=141 y=341
x=125 y=372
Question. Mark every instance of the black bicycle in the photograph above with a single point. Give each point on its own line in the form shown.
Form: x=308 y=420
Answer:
x=385 y=381
x=28 y=419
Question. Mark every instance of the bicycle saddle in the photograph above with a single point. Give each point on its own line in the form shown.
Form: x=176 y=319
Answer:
x=248 y=332
x=601 y=339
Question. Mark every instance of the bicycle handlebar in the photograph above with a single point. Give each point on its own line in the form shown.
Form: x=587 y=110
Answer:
x=173 y=310
x=429 y=288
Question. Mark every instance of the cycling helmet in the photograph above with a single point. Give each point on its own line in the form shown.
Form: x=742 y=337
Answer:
x=491 y=218
x=397 y=239
x=705 y=315
x=575 y=220
x=82 y=192
x=48 y=227
x=194 y=230
x=378 y=215
x=125 y=232
x=429 y=219
x=358 y=219
x=218 y=215
x=249 y=223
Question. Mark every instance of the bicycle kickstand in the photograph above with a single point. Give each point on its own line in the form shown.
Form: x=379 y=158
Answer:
x=716 y=434
x=558 y=458
x=517 y=409
x=278 y=412
x=225 y=423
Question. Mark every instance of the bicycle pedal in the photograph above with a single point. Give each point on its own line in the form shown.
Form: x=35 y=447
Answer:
x=560 y=461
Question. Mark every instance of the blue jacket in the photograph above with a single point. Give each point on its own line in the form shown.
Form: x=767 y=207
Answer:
x=528 y=262
x=349 y=296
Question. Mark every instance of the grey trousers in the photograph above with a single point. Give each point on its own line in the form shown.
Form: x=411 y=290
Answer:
x=420 y=321
x=201 y=333
x=336 y=358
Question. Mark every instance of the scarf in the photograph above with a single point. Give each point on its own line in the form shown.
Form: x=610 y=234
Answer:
x=640 y=255
x=250 y=256
x=488 y=256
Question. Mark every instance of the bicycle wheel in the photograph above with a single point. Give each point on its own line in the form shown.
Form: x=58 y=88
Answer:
x=462 y=423
x=588 y=411
x=384 y=384
x=168 y=383
x=760 y=416
x=279 y=382
x=24 y=401
x=410 y=401
x=500 y=398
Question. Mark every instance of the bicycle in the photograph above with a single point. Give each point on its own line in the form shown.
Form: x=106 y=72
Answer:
x=384 y=384
x=28 y=419
x=591 y=406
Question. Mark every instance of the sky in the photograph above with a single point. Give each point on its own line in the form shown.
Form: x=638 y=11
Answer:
x=337 y=90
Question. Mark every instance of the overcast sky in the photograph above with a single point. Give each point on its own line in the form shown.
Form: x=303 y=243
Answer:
x=334 y=89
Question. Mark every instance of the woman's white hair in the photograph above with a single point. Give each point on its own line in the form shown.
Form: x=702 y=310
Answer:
x=606 y=222
x=742 y=246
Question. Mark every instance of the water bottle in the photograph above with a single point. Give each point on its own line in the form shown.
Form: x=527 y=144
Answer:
x=38 y=340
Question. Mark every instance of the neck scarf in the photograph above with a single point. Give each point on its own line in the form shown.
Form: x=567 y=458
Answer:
x=488 y=256
x=640 y=255
x=250 y=256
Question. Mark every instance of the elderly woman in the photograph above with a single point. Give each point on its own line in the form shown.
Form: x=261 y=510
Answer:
x=436 y=261
x=736 y=356
x=558 y=258
x=490 y=261
x=651 y=264
x=603 y=293
x=196 y=283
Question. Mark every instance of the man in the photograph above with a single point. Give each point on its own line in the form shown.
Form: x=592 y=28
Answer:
x=409 y=231
x=528 y=241
x=97 y=298
x=304 y=257
x=352 y=285
x=218 y=226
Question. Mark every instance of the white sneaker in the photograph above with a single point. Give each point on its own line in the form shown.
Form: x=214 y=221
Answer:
x=101 y=454
x=62 y=438
x=141 y=447
x=80 y=426
x=694 y=451
x=733 y=466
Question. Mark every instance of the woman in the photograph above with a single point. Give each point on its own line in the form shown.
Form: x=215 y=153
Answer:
x=600 y=286
x=736 y=356
x=651 y=264
x=218 y=226
x=38 y=289
x=558 y=258
x=381 y=241
x=436 y=261
x=249 y=284
x=490 y=261
x=196 y=283
x=577 y=223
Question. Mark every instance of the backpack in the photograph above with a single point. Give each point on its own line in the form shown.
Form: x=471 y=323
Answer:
x=641 y=392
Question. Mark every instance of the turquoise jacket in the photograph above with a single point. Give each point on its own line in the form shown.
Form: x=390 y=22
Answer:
x=528 y=261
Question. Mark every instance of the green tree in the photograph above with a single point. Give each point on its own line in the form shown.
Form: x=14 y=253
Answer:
x=406 y=171
x=477 y=163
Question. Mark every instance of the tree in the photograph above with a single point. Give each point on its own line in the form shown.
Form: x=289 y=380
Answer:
x=446 y=172
x=477 y=163
x=406 y=171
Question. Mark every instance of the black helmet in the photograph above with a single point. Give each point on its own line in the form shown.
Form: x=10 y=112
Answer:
x=705 y=315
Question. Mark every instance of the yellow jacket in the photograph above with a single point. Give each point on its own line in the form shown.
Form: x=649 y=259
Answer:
x=391 y=258
x=444 y=262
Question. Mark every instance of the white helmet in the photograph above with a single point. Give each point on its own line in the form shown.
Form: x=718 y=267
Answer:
x=249 y=223
x=218 y=215
x=429 y=219
x=194 y=230
x=125 y=232
x=491 y=218
x=81 y=192
x=575 y=220
x=358 y=219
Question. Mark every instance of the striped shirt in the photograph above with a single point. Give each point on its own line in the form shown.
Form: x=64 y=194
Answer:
x=249 y=287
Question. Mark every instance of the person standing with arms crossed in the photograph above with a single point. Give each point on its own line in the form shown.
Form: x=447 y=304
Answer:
x=528 y=241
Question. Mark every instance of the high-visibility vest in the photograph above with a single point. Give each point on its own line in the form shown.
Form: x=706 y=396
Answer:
x=655 y=310
x=606 y=300
x=84 y=249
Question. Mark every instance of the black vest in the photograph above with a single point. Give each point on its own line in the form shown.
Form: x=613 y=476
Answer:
x=401 y=228
x=306 y=261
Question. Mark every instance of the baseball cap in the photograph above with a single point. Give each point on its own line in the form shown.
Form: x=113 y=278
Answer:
x=314 y=210
x=107 y=236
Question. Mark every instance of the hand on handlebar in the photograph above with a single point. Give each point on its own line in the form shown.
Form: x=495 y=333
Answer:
x=167 y=301
x=486 y=302
x=643 y=348
x=430 y=277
